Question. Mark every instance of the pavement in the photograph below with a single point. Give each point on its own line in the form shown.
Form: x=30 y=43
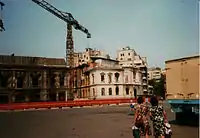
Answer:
x=96 y=122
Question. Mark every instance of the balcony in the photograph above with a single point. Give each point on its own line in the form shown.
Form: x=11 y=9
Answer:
x=137 y=82
x=145 y=90
x=144 y=78
x=144 y=83
x=143 y=71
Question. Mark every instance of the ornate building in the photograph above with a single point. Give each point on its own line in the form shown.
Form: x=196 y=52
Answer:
x=30 y=79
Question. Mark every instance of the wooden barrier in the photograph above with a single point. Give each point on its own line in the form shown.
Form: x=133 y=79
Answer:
x=77 y=103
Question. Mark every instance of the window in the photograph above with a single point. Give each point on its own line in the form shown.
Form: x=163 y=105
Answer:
x=117 y=90
x=134 y=75
x=94 y=94
x=126 y=79
x=116 y=77
x=127 y=91
x=129 y=54
x=129 y=59
x=109 y=77
x=110 y=91
x=92 y=78
x=102 y=77
x=103 y=91
x=121 y=58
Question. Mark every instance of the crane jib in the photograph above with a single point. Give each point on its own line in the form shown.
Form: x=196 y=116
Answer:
x=67 y=17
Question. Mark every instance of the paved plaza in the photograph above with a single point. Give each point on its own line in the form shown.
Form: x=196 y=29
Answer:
x=99 y=122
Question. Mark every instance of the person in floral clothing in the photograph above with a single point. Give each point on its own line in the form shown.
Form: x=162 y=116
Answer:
x=157 y=117
x=141 y=112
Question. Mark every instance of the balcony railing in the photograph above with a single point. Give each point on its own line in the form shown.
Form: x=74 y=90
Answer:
x=144 y=83
x=145 y=90
x=144 y=78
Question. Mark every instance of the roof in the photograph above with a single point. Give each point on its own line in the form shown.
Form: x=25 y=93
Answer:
x=96 y=58
x=184 y=58
x=30 y=67
x=26 y=60
x=103 y=68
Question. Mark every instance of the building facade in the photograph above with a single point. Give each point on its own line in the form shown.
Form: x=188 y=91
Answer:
x=85 y=57
x=95 y=76
x=154 y=73
x=108 y=80
x=30 y=79
x=128 y=57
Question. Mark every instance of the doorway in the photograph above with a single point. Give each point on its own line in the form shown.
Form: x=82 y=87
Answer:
x=135 y=92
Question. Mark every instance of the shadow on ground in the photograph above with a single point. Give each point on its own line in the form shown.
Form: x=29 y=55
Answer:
x=193 y=123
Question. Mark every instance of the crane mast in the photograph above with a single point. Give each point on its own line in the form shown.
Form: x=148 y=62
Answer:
x=69 y=19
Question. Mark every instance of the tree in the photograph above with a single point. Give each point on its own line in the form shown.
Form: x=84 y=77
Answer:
x=158 y=86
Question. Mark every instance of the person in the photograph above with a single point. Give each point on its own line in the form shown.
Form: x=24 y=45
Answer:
x=157 y=117
x=141 y=119
x=168 y=131
x=132 y=106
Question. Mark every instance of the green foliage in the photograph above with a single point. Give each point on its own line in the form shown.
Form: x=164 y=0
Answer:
x=158 y=86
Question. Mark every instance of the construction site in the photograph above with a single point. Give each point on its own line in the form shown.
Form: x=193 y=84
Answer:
x=88 y=75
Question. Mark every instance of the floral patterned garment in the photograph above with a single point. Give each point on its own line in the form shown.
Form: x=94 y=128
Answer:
x=143 y=110
x=158 y=119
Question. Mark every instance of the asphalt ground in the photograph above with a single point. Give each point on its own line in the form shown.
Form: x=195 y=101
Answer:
x=99 y=122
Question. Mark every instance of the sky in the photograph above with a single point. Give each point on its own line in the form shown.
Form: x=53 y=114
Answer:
x=158 y=29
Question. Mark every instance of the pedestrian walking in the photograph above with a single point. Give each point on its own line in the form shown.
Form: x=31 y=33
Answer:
x=168 y=130
x=157 y=116
x=141 y=119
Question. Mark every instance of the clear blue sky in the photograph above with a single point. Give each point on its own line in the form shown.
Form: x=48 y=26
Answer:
x=157 y=29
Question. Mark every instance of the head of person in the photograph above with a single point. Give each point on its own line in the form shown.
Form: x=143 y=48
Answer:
x=154 y=101
x=140 y=100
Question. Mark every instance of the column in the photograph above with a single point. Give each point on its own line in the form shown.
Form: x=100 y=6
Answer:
x=43 y=93
x=65 y=86
x=12 y=81
x=57 y=84
x=26 y=84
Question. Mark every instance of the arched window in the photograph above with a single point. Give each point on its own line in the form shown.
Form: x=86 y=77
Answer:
x=102 y=91
x=117 y=90
x=127 y=91
x=92 y=78
x=109 y=77
x=102 y=77
x=110 y=91
x=135 y=93
x=116 y=77
x=93 y=90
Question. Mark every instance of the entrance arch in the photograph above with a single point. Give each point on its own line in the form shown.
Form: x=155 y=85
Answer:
x=135 y=92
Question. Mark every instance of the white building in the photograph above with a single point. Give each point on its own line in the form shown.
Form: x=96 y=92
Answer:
x=110 y=80
x=85 y=57
x=154 y=73
x=128 y=57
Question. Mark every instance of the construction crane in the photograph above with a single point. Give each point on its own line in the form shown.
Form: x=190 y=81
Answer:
x=1 y=17
x=69 y=19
